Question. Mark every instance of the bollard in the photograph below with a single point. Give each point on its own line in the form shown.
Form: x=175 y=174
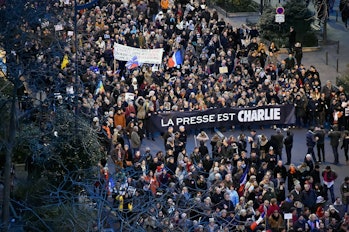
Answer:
x=338 y=47
x=326 y=58
x=336 y=15
x=337 y=65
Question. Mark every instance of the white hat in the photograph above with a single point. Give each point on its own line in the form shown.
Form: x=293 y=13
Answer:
x=332 y=207
x=151 y=93
x=320 y=200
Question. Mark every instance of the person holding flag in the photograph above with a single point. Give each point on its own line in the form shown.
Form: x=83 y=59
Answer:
x=133 y=63
x=257 y=222
x=175 y=60
x=243 y=180
x=65 y=61
x=100 y=88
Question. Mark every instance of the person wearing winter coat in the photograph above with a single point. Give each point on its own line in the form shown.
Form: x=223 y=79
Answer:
x=345 y=145
x=309 y=197
x=311 y=142
x=120 y=119
x=334 y=136
x=320 y=143
x=300 y=110
x=313 y=223
x=288 y=142
x=202 y=136
x=141 y=107
x=135 y=140
x=344 y=189
x=298 y=53
x=275 y=221
x=276 y=141
x=329 y=177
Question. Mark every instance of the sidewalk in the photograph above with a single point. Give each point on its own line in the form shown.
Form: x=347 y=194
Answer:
x=336 y=31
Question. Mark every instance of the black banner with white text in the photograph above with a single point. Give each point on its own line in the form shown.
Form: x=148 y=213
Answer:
x=224 y=117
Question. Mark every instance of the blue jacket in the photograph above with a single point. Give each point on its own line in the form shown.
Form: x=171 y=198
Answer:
x=310 y=139
x=309 y=198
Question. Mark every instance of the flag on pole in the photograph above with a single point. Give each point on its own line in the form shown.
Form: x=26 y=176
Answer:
x=175 y=59
x=243 y=180
x=65 y=61
x=133 y=63
x=254 y=224
x=100 y=88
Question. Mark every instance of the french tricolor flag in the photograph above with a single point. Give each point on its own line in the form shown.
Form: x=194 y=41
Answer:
x=175 y=59
x=243 y=180
x=254 y=224
x=133 y=63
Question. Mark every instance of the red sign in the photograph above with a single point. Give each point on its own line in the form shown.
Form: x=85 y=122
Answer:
x=280 y=10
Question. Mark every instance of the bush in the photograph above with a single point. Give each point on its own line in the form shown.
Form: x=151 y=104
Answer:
x=296 y=15
x=343 y=81
x=310 y=39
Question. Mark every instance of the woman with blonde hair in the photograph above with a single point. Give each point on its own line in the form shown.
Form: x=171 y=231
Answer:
x=264 y=145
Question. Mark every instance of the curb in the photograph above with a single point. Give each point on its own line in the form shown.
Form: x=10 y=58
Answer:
x=235 y=14
x=304 y=49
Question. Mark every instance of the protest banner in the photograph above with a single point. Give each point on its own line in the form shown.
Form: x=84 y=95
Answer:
x=144 y=56
x=224 y=117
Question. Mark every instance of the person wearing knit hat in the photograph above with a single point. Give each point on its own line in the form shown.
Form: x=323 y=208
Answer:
x=331 y=207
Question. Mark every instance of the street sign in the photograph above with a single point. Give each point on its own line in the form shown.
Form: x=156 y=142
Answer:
x=279 y=18
x=280 y=10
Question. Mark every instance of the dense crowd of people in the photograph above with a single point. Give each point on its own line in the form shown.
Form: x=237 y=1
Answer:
x=224 y=184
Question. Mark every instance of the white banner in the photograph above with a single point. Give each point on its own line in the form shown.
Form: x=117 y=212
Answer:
x=144 y=56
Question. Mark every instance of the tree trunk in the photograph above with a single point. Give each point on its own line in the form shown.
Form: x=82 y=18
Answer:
x=8 y=164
